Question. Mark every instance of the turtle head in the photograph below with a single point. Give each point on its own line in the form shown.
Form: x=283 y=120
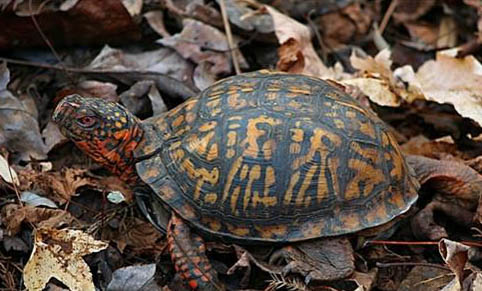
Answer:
x=106 y=131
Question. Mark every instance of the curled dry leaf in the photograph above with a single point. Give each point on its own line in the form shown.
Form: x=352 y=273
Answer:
x=7 y=173
x=19 y=129
x=35 y=200
x=343 y=25
x=455 y=256
x=140 y=236
x=296 y=53
x=134 y=7
x=67 y=22
x=200 y=42
x=477 y=5
x=58 y=254
x=422 y=146
x=14 y=215
x=455 y=81
x=135 y=97
x=365 y=281
x=377 y=81
x=104 y=90
x=59 y=186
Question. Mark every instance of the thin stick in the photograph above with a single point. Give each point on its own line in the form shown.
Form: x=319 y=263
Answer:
x=419 y=243
x=44 y=37
x=229 y=35
x=386 y=265
x=387 y=15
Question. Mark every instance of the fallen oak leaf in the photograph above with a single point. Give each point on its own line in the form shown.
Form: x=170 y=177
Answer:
x=296 y=53
x=448 y=79
x=19 y=128
x=58 y=186
x=58 y=254
x=14 y=215
x=455 y=256
x=200 y=42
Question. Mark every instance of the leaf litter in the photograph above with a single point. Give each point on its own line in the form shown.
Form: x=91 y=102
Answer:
x=416 y=64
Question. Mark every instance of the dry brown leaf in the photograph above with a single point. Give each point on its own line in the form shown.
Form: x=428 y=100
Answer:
x=59 y=186
x=104 y=90
x=378 y=65
x=19 y=129
x=377 y=80
x=58 y=254
x=296 y=54
x=408 y=10
x=455 y=81
x=455 y=256
x=342 y=25
x=140 y=236
x=14 y=215
x=365 y=281
x=200 y=42
x=423 y=34
x=423 y=278
x=477 y=5
x=164 y=61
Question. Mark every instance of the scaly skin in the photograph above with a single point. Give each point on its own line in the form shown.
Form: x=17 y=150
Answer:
x=190 y=260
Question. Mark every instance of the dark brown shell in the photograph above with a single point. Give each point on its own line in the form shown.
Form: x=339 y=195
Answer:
x=276 y=157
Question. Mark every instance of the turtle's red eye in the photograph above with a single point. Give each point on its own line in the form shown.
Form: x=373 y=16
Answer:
x=87 y=121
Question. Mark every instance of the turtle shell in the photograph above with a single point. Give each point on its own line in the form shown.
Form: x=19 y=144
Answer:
x=275 y=157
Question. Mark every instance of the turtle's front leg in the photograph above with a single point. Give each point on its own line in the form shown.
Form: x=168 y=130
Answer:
x=188 y=253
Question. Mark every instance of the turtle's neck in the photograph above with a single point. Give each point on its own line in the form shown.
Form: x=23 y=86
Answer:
x=116 y=153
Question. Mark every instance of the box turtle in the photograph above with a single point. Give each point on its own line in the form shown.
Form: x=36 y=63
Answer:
x=262 y=157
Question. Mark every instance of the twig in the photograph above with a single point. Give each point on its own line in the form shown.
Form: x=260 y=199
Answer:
x=419 y=243
x=387 y=15
x=387 y=265
x=229 y=35
x=44 y=37
x=317 y=35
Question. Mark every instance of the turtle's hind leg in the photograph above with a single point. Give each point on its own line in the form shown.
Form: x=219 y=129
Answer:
x=188 y=253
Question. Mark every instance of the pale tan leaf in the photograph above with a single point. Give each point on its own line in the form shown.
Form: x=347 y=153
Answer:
x=58 y=254
x=456 y=81
x=134 y=7
x=378 y=90
x=7 y=173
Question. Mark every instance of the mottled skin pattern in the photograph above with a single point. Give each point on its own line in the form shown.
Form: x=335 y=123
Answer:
x=258 y=158
x=190 y=259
